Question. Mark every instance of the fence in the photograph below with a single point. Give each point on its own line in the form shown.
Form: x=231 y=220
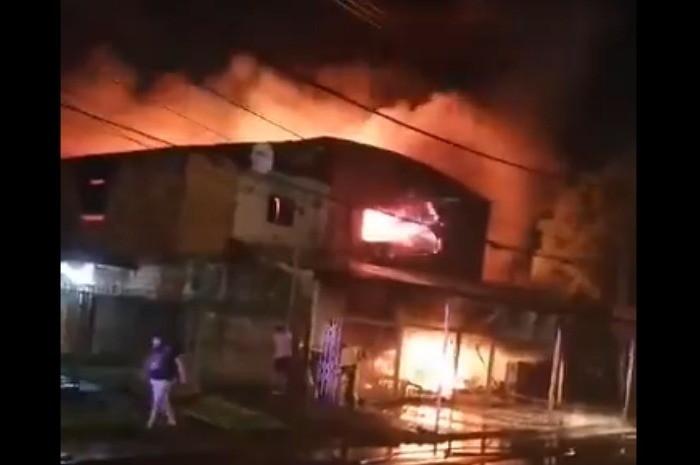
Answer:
x=118 y=327
x=224 y=343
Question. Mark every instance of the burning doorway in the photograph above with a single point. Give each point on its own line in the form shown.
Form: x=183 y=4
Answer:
x=429 y=363
x=422 y=361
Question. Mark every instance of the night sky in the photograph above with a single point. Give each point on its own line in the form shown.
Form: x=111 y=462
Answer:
x=571 y=64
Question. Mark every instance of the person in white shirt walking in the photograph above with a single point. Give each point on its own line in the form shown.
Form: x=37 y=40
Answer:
x=282 y=363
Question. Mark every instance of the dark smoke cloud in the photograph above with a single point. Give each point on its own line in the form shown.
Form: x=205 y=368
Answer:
x=498 y=76
x=564 y=67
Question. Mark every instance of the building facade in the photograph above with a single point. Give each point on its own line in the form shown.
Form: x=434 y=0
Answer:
x=334 y=230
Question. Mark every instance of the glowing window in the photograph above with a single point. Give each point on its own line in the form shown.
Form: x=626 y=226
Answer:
x=280 y=210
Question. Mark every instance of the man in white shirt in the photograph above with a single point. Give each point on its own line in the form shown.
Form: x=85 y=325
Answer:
x=282 y=339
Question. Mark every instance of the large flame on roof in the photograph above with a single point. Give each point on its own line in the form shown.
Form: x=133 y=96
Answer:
x=179 y=111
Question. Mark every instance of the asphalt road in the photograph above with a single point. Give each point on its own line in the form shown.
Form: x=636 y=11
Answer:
x=590 y=451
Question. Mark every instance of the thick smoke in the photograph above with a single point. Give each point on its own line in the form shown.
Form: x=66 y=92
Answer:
x=180 y=112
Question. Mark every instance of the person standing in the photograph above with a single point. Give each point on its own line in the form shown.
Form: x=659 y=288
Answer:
x=282 y=358
x=164 y=367
x=349 y=359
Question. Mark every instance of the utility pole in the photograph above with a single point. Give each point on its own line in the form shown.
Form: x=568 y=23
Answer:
x=441 y=386
x=296 y=259
x=622 y=303
x=554 y=375
x=489 y=370
x=292 y=320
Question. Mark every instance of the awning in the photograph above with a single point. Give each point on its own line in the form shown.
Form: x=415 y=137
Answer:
x=97 y=257
x=514 y=298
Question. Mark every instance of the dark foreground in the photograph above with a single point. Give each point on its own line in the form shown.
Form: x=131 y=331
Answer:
x=106 y=427
x=589 y=451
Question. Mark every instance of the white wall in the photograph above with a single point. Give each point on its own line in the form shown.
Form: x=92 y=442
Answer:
x=250 y=217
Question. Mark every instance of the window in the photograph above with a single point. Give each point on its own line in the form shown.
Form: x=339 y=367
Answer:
x=280 y=210
x=93 y=178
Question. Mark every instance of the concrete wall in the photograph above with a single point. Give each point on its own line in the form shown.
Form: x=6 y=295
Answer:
x=143 y=204
x=250 y=219
x=144 y=207
x=208 y=205
x=236 y=350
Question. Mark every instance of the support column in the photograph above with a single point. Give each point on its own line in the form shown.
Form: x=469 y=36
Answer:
x=629 y=377
x=556 y=360
x=560 y=381
x=458 y=346
x=397 y=360
x=489 y=370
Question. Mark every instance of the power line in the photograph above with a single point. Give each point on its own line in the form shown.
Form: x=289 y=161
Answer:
x=327 y=197
x=494 y=244
x=373 y=13
x=339 y=95
x=109 y=122
x=118 y=133
x=114 y=132
x=195 y=122
x=365 y=11
x=350 y=101
x=334 y=93
x=247 y=109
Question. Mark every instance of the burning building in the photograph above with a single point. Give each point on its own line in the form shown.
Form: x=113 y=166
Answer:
x=347 y=231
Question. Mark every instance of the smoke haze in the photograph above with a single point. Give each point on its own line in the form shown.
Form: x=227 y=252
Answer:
x=180 y=112
x=510 y=78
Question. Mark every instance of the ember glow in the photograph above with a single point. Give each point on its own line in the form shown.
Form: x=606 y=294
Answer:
x=107 y=87
x=402 y=228
x=426 y=363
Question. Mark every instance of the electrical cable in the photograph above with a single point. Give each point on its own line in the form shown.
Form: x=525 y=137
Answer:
x=362 y=10
x=327 y=197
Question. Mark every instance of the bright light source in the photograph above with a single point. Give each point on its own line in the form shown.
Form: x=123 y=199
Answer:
x=92 y=218
x=79 y=274
x=406 y=227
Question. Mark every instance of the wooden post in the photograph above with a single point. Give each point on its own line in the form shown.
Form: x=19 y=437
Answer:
x=297 y=372
x=441 y=387
x=560 y=381
x=293 y=284
x=489 y=370
x=623 y=282
x=397 y=360
x=458 y=345
x=91 y=307
x=630 y=375
x=195 y=332
x=556 y=359
x=309 y=335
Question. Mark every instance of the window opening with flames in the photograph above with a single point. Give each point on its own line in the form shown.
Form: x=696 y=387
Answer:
x=408 y=228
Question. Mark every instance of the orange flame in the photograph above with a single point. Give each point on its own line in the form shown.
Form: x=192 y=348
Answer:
x=381 y=227
x=179 y=111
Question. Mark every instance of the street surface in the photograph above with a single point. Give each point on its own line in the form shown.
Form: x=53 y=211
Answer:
x=616 y=451
x=469 y=433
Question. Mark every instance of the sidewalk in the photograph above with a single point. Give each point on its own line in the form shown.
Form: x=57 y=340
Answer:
x=242 y=419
